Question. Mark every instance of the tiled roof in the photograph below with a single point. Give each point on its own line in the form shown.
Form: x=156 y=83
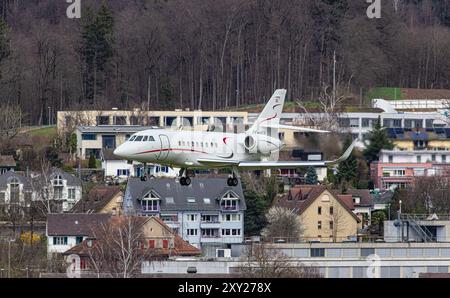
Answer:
x=181 y=247
x=364 y=195
x=300 y=197
x=96 y=199
x=7 y=161
x=74 y=224
x=201 y=188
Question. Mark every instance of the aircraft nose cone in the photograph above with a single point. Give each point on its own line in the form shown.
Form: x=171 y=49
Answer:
x=119 y=152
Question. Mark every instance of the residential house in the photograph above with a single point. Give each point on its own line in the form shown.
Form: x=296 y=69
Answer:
x=207 y=214
x=122 y=169
x=63 y=188
x=7 y=163
x=160 y=242
x=360 y=201
x=64 y=231
x=323 y=215
x=417 y=153
x=59 y=187
x=101 y=199
x=15 y=190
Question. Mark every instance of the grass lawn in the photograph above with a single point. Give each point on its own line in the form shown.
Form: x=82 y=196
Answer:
x=385 y=93
x=49 y=131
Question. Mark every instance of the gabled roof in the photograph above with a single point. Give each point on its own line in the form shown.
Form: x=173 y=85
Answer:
x=181 y=247
x=71 y=179
x=8 y=176
x=74 y=224
x=96 y=199
x=366 y=198
x=7 y=161
x=300 y=197
x=211 y=188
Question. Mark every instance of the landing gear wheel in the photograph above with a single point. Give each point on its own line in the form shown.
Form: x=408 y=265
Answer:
x=187 y=181
x=230 y=181
x=144 y=178
x=183 y=180
x=235 y=181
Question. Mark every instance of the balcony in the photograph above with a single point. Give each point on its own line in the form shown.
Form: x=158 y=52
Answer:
x=229 y=208
x=210 y=224
x=150 y=209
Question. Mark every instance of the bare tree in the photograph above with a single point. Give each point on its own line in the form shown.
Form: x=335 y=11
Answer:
x=265 y=261
x=337 y=222
x=119 y=247
x=327 y=114
x=10 y=122
x=282 y=223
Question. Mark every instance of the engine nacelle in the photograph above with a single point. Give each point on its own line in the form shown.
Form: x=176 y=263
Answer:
x=261 y=144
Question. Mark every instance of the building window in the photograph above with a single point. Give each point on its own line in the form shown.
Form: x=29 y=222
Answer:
x=59 y=240
x=14 y=193
x=444 y=158
x=317 y=252
x=226 y=232
x=319 y=210
x=120 y=120
x=236 y=232
x=331 y=225
x=89 y=137
x=192 y=217
x=229 y=202
x=419 y=159
x=433 y=157
x=192 y=232
x=123 y=172
x=102 y=120
x=58 y=181
x=165 y=243
x=210 y=218
x=150 y=203
x=319 y=225
x=391 y=159
x=151 y=243
x=71 y=193
x=79 y=239
x=231 y=217
x=331 y=210
x=210 y=233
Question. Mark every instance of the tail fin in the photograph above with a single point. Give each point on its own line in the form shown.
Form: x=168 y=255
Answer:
x=272 y=111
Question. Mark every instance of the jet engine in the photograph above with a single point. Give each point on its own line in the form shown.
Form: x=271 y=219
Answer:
x=261 y=144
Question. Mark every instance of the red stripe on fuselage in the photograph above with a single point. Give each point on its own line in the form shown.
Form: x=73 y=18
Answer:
x=171 y=149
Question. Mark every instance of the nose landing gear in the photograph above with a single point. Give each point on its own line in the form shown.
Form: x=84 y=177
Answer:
x=144 y=175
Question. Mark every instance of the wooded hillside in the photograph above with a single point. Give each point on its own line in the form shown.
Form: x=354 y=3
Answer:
x=212 y=54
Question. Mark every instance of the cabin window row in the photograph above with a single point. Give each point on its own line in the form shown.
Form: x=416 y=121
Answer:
x=198 y=144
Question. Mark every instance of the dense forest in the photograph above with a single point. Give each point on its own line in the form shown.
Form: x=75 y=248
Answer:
x=212 y=54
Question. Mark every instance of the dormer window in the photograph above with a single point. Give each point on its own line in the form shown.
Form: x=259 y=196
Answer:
x=150 y=203
x=58 y=181
x=229 y=202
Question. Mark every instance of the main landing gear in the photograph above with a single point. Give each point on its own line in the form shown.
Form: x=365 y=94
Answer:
x=233 y=180
x=184 y=178
x=144 y=175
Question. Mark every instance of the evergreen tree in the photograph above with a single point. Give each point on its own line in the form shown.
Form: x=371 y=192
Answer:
x=255 y=216
x=73 y=143
x=92 y=162
x=347 y=171
x=311 y=176
x=97 y=48
x=378 y=140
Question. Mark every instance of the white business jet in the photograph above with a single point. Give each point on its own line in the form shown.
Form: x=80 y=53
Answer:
x=253 y=150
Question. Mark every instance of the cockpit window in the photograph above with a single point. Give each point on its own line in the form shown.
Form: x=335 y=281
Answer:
x=151 y=139
x=145 y=139
x=138 y=139
x=132 y=139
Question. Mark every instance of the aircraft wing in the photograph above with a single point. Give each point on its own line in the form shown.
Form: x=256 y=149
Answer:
x=261 y=165
x=295 y=128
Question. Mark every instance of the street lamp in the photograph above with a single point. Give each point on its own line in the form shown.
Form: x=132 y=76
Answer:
x=9 y=256
x=49 y=117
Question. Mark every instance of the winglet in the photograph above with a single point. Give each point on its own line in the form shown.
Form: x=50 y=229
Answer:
x=346 y=154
